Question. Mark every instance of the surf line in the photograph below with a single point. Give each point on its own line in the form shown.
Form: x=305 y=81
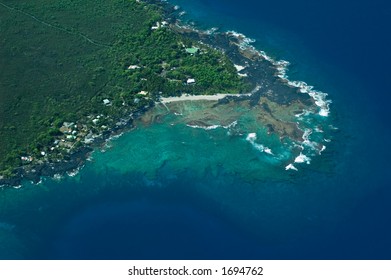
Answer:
x=53 y=26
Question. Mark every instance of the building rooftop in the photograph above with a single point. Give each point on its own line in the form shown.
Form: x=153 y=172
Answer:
x=192 y=50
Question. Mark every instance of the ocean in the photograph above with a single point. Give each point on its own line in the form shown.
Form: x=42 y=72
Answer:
x=169 y=191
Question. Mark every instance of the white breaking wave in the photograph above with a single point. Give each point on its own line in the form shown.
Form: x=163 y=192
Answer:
x=304 y=113
x=302 y=159
x=233 y=124
x=291 y=167
x=58 y=177
x=214 y=126
x=209 y=127
x=319 y=97
x=244 y=40
x=73 y=173
x=307 y=142
x=251 y=137
x=211 y=30
x=314 y=146
x=268 y=151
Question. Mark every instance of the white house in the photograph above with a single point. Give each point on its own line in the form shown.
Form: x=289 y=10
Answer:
x=132 y=67
x=191 y=81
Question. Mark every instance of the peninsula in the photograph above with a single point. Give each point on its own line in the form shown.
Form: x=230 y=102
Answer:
x=75 y=73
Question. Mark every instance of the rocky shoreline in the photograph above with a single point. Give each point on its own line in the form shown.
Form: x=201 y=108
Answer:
x=256 y=69
x=73 y=161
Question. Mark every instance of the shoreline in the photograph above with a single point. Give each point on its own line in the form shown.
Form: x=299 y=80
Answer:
x=74 y=161
x=185 y=97
x=201 y=97
x=255 y=67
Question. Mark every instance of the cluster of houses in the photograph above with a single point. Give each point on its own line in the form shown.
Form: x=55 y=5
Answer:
x=189 y=81
x=159 y=25
x=71 y=134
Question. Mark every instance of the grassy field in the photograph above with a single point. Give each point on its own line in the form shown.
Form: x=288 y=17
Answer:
x=60 y=59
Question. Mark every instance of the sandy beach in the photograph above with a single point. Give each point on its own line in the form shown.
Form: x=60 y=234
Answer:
x=215 y=97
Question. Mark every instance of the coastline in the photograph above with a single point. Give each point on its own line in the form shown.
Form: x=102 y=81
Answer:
x=74 y=161
x=264 y=74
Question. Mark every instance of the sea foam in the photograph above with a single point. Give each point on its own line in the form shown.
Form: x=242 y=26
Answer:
x=321 y=108
x=291 y=167
x=302 y=159
x=319 y=97
x=251 y=137
x=214 y=126
x=208 y=127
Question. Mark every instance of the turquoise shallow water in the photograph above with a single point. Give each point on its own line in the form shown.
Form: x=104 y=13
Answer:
x=169 y=190
x=201 y=139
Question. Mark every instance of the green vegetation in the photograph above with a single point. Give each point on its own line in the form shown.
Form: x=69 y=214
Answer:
x=60 y=59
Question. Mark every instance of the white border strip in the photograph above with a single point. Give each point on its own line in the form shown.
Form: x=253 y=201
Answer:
x=118 y=270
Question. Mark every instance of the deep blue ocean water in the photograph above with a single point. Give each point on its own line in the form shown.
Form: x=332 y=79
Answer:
x=342 y=48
